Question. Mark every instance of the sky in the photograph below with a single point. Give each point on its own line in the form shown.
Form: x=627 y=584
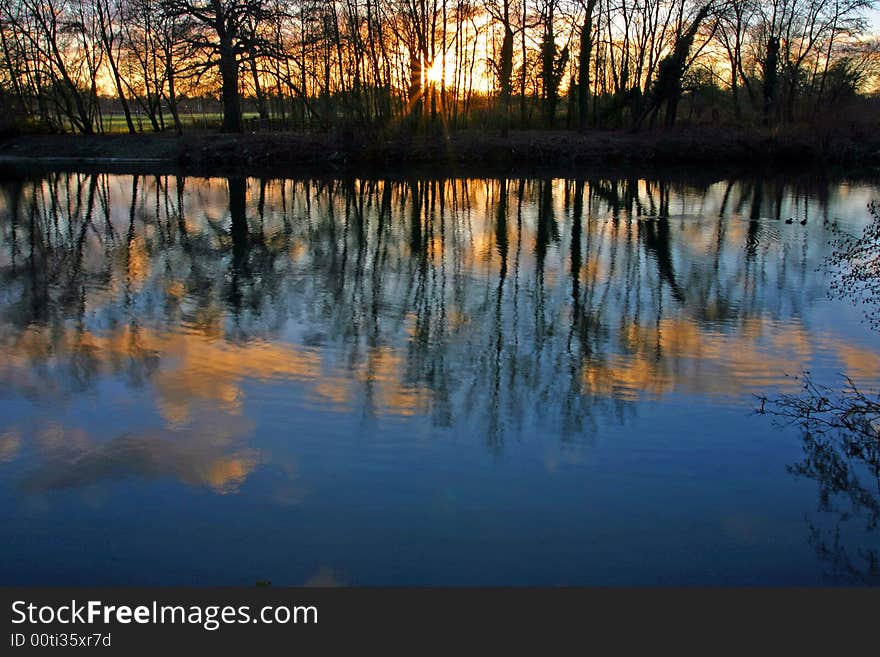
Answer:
x=874 y=15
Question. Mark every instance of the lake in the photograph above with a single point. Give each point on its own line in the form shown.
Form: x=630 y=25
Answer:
x=426 y=381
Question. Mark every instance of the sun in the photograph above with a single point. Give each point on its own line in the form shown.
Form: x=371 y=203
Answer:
x=434 y=74
x=444 y=72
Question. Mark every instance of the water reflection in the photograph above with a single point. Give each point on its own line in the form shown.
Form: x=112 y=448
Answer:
x=208 y=454
x=846 y=469
x=195 y=285
x=496 y=309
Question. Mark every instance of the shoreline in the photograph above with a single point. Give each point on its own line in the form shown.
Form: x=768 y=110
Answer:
x=280 y=153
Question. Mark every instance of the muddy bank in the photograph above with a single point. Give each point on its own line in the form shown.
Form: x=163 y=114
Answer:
x=278 y=153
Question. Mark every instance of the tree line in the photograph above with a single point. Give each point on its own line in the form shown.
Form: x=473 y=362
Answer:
x=74 y=65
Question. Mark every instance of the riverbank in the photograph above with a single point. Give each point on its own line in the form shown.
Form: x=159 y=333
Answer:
x=278 y=152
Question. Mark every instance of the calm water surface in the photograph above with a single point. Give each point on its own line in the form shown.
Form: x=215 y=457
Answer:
x=480 y=381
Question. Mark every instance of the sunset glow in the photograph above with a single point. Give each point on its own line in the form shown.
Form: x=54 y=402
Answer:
x=398 y=293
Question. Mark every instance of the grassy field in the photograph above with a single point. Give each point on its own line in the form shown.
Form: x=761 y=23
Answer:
x=115 y=123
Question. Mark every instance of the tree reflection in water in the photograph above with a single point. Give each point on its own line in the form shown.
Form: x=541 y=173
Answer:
x=841 y=447
x=501 y=307
x=841 y=428
x=435 y=296
x=846 y=469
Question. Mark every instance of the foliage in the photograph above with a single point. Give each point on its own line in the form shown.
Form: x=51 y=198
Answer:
x=855 y=264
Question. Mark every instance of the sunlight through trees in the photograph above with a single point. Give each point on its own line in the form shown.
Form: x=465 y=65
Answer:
x=136 y=65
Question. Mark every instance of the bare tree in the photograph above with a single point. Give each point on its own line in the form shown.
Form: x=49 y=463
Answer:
x=229 y=32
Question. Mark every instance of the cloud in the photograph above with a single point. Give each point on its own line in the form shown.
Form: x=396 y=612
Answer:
x=212 y=454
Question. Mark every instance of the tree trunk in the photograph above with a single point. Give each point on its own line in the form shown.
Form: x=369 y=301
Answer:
x=262 y=107
x=172 y=98
x=548 y=59
x=117 y=81
x=584 y=56
x=506 y=73
x=770 y=76
x=231 y=98
x=415 y=86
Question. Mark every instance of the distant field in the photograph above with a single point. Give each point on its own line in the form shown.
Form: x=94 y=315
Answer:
x=115 y=123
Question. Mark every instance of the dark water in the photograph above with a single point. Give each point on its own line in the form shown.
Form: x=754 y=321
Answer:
x=220 y=381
